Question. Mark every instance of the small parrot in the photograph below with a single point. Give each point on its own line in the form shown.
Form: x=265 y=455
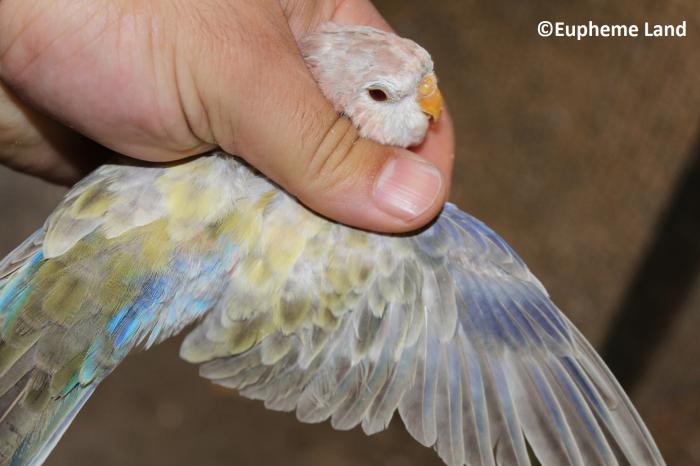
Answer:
x=446 y=325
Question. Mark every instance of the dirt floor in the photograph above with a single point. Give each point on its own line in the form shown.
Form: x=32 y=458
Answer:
x=569 y=149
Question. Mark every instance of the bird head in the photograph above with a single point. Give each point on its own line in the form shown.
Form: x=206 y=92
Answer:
x=384 y=83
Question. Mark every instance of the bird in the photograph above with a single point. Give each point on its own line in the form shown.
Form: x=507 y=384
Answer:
x=446 y=326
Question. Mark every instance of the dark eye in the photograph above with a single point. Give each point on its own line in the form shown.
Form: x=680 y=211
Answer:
x=378 y=95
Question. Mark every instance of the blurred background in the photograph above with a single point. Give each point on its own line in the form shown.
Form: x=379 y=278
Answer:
x=584 y=156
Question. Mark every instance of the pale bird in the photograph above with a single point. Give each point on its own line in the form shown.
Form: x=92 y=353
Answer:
x=447 y=326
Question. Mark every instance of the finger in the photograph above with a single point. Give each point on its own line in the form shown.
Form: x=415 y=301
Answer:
x=35 y=144
x=351 y=12
x=439 y=146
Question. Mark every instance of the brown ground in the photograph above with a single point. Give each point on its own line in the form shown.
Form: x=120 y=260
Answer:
x=568 y=149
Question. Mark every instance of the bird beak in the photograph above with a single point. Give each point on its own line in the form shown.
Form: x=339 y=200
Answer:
x=429 y=97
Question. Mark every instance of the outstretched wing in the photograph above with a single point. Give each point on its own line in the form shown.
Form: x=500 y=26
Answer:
x=113 y=269
x=448 y=326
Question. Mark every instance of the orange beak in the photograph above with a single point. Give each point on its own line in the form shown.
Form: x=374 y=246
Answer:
x=429 y=97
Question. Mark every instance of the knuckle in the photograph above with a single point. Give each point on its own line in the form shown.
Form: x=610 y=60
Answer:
x=335 y=158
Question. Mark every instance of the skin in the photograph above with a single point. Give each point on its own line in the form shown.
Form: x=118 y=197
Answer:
x=162 y=81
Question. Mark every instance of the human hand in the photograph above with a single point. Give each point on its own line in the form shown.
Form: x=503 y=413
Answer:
x=161 y=81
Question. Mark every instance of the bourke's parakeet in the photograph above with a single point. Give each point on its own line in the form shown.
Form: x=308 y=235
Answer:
x=447 y=325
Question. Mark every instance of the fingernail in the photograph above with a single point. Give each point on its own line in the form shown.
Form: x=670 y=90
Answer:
x=407 y=187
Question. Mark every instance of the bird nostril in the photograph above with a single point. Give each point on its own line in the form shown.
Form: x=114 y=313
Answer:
x=378 y=95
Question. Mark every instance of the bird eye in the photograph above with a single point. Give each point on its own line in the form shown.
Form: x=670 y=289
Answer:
x=378 y=95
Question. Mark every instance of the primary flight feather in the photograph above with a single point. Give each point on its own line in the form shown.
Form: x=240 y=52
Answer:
x=446 y=326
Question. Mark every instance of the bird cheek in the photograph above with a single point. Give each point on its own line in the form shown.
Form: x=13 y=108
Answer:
x=418 y=130
x=361 y=114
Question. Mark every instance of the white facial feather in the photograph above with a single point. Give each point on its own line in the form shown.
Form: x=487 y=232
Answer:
x=348 y=63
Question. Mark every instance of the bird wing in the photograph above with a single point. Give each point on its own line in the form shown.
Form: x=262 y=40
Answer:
x=123 y=262
x=447 y=326
x=17 y=258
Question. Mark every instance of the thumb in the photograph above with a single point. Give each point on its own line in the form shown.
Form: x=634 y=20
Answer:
x=278 y=120
x=359 y=182
x=324 y=163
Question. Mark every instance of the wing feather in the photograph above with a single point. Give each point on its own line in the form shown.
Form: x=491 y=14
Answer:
x=448 y=327
x=23 y=253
